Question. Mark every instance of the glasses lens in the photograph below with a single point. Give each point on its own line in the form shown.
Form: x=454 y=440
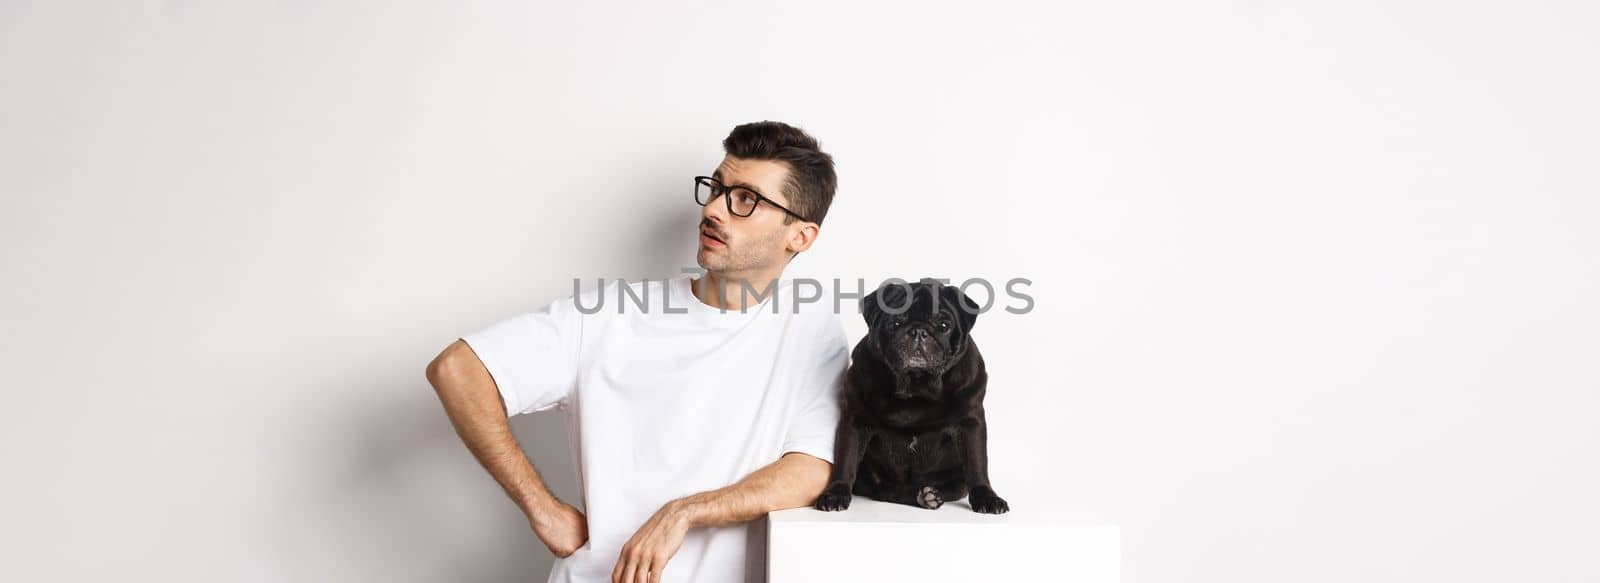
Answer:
x=702 y=191
x=744 y=201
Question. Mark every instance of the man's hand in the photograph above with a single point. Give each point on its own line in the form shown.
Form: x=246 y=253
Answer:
x=791 y=482
x=645 y=555
x=562 y=528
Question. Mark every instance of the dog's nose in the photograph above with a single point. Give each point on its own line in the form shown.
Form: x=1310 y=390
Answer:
x=919 y=334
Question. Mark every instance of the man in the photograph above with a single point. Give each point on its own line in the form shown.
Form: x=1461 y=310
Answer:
x=691 y=416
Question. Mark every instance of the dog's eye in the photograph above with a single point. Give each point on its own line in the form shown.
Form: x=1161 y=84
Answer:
x=899 y=321
x=943 y=325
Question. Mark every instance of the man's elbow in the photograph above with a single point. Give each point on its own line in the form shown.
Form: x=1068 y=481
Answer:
x=814 y=471
x=445 y=367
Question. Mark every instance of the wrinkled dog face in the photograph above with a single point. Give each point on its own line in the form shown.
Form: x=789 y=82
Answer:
x=928 y=337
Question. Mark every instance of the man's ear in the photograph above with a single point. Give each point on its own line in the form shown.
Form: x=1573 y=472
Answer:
x=802 y=238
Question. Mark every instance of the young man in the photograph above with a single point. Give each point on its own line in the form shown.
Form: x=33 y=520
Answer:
x=691 y=416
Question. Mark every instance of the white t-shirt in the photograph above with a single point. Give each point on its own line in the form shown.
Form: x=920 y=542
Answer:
x=671 y=399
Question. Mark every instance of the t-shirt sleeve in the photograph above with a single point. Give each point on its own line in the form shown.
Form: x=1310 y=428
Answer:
x=533 y=356
x=816 y=415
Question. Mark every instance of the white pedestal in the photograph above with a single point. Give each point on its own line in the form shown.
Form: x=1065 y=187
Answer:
x=878 y=541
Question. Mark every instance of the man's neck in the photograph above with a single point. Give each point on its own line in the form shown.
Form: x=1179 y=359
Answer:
x=736 y=290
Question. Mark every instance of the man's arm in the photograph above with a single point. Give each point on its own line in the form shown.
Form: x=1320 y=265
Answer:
x=795 y=480
x=473 y=404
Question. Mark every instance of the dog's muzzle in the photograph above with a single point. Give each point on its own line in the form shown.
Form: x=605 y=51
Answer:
x=919 y=350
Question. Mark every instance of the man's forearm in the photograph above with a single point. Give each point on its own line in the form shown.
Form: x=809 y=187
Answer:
x=473 y=405
x=795 y=480
x=497 y=450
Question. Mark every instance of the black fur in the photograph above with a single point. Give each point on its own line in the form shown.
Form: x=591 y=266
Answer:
x=913 y=429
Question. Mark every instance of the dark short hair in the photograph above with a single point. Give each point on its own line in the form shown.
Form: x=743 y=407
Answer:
x=811 y=180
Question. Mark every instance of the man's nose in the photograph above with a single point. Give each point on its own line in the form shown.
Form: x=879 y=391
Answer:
x=716 y=209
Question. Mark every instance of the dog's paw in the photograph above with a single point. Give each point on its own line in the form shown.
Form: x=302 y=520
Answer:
x=928 y=497
x=836 y=497
x=985 y=501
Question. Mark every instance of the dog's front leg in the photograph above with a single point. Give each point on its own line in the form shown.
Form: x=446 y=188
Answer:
x=849 y=445
x=975 y=438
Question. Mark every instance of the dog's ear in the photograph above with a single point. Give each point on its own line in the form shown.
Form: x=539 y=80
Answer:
x=869 y=308
x=966 y=315
x=966 y=309
x=888 y=294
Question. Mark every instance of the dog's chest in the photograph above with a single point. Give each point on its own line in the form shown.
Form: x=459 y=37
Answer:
x=906 y=415
x=921 y=449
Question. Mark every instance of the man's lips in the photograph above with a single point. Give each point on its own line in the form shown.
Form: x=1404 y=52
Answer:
x=710 y=241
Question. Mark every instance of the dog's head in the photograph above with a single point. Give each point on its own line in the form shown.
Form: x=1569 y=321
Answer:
x=919 y=328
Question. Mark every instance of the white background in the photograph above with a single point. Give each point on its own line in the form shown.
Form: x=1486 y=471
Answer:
x=1314 y=282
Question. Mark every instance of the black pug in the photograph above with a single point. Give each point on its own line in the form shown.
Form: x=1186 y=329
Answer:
x=912 y=429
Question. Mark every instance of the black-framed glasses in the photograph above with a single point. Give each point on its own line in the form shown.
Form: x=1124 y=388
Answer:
x=741 y=201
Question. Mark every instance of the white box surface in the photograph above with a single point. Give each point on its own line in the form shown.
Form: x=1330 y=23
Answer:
x=879 y=541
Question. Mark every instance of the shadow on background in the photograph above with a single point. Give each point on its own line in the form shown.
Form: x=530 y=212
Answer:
x=411 y=503
x=410 y=494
